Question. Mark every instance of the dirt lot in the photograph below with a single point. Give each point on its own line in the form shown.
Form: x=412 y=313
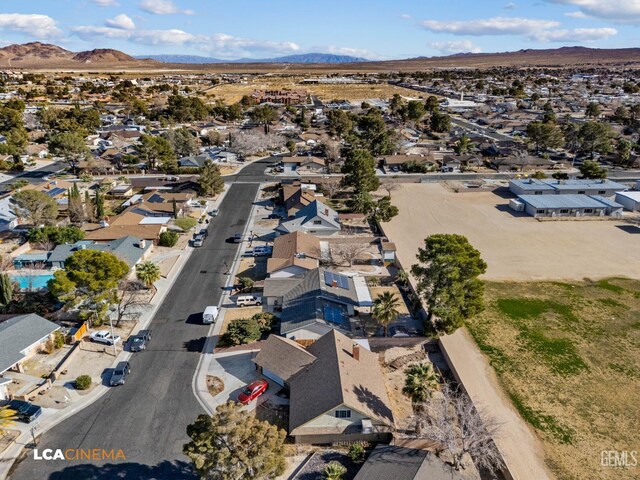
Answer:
x=236 y=314
x=568 y=356
x=514 y=247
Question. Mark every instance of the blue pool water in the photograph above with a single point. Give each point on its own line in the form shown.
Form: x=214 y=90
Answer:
x=35 y=282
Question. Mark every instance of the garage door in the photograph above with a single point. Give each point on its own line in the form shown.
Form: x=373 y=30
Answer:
x=272 y=376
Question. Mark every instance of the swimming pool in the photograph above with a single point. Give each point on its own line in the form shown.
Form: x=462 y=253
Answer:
x=32 y=282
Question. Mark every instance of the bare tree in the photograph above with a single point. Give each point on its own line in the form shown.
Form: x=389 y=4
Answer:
x=349 y=252
x=331 y=188
x=128 y=301
x=332 y=150
x=389 y=187
x=248 y=143
x=450 y=419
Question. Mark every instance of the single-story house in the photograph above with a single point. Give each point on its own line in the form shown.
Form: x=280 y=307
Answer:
x=124 y=190
x=293 y=254
x=8 y=217
x=114 y=232
x=316 y=218
x=129 y=249
x=520 y=163
x=22 y=336
x=532 y=186
x=567 y=206
x=193 y=161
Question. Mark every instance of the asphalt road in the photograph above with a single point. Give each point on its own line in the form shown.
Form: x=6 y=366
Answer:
x=35 y=176
x=147 y=417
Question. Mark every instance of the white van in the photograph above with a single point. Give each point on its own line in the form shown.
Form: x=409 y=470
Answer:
x=248 y=300
x=210 y=315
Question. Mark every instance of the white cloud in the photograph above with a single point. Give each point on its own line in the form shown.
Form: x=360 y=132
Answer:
x=509 y=6
x=624 y=11
x=106 y=3
x=574 y=35
x=34 y=25
x=455 y=46
x=490 y=26
x=406 y=16
x=163 y=7
x=121 y=21
x=145 y=37
x=577 y=14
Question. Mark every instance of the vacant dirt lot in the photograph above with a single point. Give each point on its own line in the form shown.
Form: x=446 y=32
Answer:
x=514 y=247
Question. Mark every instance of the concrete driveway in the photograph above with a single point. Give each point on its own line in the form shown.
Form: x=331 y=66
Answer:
x=237 y=370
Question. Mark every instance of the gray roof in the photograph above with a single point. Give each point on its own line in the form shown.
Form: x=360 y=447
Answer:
x=19 y=333
x=283 y=357
x=336 y=378
x=573 y=184
x=561 y=201
x=126 y=248
x=311 y=299
x=307 y=214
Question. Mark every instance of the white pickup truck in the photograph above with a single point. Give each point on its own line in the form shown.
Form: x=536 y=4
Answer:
x=104 y=336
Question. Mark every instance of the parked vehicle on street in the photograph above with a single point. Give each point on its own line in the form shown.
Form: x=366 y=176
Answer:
x=253 y=391
x=146 y=334
x=210 y=315
x=198 y=241
x=248 y=300
x=137 y=343
x=215 y=212
x=262 y=251
x=104 y=336
x=119 y=374
x=237 y=238
x=203 y=232
x=25 y=412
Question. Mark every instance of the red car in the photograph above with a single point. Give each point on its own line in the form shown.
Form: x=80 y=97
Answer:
x=253 y=391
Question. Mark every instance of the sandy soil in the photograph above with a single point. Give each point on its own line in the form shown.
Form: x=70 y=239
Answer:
x=514 y=247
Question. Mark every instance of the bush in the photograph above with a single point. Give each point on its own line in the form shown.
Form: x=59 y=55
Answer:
x=83 y=382
x=185 y=223
x=56 y=235
x=240 y=332
x=356 y=452
x=334 y=471
x=168 y=239
x=265 y=320
x=246 y=283
x=58 y=339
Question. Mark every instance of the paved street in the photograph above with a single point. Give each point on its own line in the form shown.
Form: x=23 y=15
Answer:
x=35 y=176
x=147 y=417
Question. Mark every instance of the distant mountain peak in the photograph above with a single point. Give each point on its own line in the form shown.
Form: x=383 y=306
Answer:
x=301 y=58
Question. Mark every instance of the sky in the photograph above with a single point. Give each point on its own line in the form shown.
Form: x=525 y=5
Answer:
x=373 y=29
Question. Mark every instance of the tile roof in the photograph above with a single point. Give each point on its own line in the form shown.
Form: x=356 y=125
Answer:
x=336 y=378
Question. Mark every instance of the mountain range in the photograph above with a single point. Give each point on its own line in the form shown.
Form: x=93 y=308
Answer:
x=302 y=58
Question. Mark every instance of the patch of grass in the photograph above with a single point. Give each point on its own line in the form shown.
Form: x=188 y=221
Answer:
x=526 y=308
x=497 y=358
x=607 y=285
x=542 y=421
x=560 y=354
x=610 y=302
x=624 y=369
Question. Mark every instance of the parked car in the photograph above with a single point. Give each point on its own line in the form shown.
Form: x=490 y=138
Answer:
x=261 y=251
x=237 y=238
x=137 y=343
x=198 y=241
x=210 y=315
x=25 y=411
x=104 y=336
x=119 y=374
x=146 y=334
x=253 y=391
x=398 y=331
x=248 y=300
x=203 y=232
x=215 y=212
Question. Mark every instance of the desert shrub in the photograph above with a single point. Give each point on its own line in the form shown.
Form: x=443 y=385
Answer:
x=83 y=382
x=168 y=239
x=356 y=452
x=58 y=339
x=334 y=471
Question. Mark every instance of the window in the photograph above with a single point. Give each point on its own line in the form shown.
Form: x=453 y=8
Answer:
x=581 y=192
x=564 y=210
x=343 y=413
x=588 y=210
x=317 y=222
x=539 y=211
x=602 y=192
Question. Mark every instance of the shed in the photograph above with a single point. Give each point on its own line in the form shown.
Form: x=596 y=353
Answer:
x=629 y=200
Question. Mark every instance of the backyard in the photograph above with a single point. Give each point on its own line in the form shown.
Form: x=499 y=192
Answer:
x=560 y=351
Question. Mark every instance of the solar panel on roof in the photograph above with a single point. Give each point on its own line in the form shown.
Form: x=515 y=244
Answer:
x=340 y=280
x=55 y=191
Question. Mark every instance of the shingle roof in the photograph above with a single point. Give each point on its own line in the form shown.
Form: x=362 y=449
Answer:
x=307 y=214
x=291 y=244
x=336 y=378
x=148 y=232
x=126 y=248
x=283 y=357
x=19 y=333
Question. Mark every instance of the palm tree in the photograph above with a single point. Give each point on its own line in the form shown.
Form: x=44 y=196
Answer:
x=385 y=309
x=148 y=273
x=420 y=381
x=7 y=417
x=334 y=471
x=402 y=277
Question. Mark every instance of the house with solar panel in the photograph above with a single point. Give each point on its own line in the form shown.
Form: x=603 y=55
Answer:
x=316 y=303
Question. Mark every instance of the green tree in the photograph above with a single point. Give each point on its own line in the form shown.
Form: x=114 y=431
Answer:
x=55 y=235
x=592 y=169
x=83 y=382
x=210 y=182
x=621 y=114
x=99 y=205
x=384 y=211
x=447 y=277
x=544 y=135
x=420 y=382
x=12 y=128
x=75 y=206
x=234 y=444
x=593 y=110
x=168 y=239
x=623 y=149
x=291 y=146
x=183 y=109
x=360 y=171
x=415 y=110
x=374 y=134
x=432 y=103
x=339 y=122
x=538 y=175
x=157 y=149
x=462 y=145
x=182 y=142
x=148 y=273
x=89 y=281
x=71 y=146
x=440 y=122
x=36 y=206
x=264 y=115
x=385 y=310
x=362 y=202
x=6 y=289
x=595 y=137
x=334 y=470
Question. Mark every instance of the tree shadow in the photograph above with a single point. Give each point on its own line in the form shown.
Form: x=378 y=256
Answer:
x=629 y=228
x=194 y=345
x=127 y=471
x=374 y=402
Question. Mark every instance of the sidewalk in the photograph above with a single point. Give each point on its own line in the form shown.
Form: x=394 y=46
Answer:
x=50 y=416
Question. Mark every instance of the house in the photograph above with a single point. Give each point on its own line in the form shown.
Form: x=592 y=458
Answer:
x=400 y=462
x=114 y=232
x=194 y=161
x=629 y=200
x=304 y=164
x=566 y=205
x=315 y=218
x=450 y=165
x=8 y=217
x=339 y=395
x=316 y=302
x=21 y=337
x=280 y=358
x=293 y=254
x=129 y=249
x=520 y=163
x=532 y=186
x=297 y=195
x=124 y=190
